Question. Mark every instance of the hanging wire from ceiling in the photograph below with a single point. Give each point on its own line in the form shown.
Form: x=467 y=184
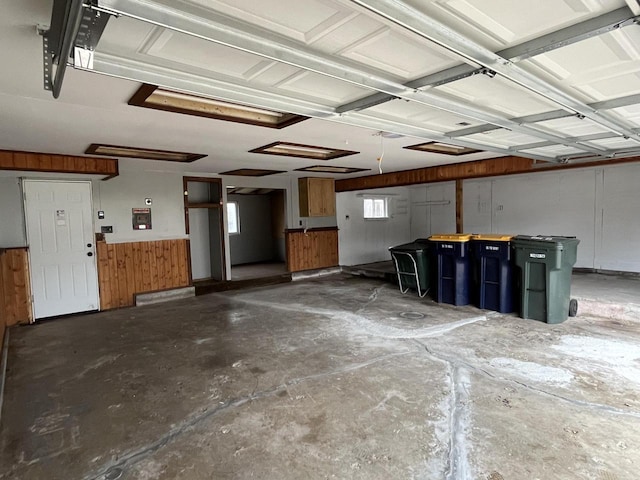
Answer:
x=379 y=159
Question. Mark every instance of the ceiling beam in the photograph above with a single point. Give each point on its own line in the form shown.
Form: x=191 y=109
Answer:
x=419 y=23
x=136 y=70
x=537 y=46
x=213 y=27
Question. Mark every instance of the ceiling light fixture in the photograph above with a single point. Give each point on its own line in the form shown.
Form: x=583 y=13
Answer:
x=151 y=96
x=141 y=153
x=443 y=148
x=287 y=149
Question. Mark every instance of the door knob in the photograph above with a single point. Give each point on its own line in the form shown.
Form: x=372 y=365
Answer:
x=89 y=254
x=89 y=245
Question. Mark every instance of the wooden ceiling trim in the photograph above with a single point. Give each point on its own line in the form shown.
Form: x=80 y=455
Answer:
x=492 y=167
x=44 y=162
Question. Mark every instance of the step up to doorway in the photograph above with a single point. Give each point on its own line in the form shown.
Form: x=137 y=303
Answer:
x=149 y=298
x=202 y=288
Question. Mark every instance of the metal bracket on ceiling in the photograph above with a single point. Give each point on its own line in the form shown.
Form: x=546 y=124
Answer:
x=47 y=59
x=75 y=30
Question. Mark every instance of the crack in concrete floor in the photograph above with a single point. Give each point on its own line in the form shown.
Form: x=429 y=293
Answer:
x=572 y=401
x=456 y=464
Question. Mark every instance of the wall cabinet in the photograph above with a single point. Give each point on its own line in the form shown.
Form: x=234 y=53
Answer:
x=317 y=197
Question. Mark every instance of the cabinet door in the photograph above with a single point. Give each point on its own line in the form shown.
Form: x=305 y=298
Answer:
x=317 y=197
x=328 y=197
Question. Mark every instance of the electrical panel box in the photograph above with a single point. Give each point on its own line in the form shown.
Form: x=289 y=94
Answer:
x=141 y=218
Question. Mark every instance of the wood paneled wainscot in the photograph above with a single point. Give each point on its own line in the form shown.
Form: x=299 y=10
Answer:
x=126 y=269
x=311 y=249
x=15 y=286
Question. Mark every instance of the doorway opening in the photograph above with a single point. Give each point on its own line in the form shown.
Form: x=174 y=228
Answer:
x=257 y=221
x=204 y=225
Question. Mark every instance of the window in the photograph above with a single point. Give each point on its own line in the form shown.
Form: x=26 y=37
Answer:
x=233 y=217
x=376 y=208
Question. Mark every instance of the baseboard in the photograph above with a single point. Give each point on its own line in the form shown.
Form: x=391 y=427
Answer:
x=617 y=273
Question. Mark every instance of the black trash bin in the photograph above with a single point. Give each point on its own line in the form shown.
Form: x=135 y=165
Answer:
x=544 y=267
x=412 y=262
x=453 y=268
x=492 y=272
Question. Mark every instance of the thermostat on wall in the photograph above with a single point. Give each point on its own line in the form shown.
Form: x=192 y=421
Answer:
x=141 y=218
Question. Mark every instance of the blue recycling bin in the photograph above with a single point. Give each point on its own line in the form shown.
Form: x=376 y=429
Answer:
x=493 y=272
x=453 y=268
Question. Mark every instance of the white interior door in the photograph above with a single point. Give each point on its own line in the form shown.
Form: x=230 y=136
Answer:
x=61 y=247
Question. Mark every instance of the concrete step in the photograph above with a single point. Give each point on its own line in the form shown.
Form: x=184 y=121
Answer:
x=149 y=298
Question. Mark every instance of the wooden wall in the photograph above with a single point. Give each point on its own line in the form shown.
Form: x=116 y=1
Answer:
x=42 y=162
x=15 y=286
x=125 y=269
x=317 y=248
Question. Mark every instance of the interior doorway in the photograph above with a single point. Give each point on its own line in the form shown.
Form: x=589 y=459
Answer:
x=257 y=221
x=204 y=224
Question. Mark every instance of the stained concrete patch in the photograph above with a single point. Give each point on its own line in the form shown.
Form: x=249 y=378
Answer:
x=531 y=371
x=619 y=356
x=377 y=422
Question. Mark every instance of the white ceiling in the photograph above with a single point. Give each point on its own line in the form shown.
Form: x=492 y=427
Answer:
x=93 y=108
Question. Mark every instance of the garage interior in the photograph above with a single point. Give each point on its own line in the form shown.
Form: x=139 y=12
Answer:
x=197 y=201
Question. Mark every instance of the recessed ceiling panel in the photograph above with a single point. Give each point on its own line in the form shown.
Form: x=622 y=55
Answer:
x=602 y=67
x=616 y=143
x=195 y=52
x=509 y=22
x=630 y=113
x=502 y=138
x=303 y=21
x=571 y=126
x=125 y=33
x=395 y=53
x=498 y=95
x=417 y=113
x=330 y=90
x=555 y=150
x=252 y=172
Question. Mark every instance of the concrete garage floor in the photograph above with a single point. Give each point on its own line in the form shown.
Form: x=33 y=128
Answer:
x=339 y=377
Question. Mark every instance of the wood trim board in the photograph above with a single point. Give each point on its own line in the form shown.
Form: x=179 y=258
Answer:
x=44 y=162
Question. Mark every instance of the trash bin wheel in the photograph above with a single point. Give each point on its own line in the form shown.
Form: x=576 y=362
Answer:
x=573 y=307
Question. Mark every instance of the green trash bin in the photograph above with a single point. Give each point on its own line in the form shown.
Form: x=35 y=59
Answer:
x=544 y=266
x=412 y=262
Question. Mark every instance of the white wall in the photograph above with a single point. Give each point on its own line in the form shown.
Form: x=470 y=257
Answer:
x=365 y=241
x=618 y=219
x=200 y=244
x=116 y=197
x=597 y=205
x=433 y=209
x=12 y=229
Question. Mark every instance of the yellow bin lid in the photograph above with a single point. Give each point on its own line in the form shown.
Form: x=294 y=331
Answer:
x=493 y=237
x=451 y=237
